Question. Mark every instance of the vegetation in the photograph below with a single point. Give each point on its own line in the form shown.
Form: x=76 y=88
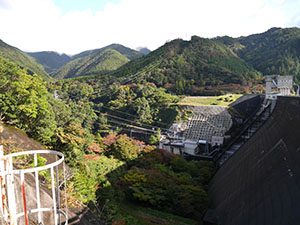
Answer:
x=172 y=184
x=222 y=100
x=24 y=102
x=144 y=50
x=22 y=59
x=144 y=102
x=127 y=52
x=216 y=66
x=90 y=119
x=139 y=215
x=153 y=178
x=51 y=61
x=276 y=51
x=191 y=67
x=109 y=170
x=97 y=62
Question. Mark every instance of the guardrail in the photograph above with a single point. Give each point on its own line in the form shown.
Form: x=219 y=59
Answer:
x=14 y=181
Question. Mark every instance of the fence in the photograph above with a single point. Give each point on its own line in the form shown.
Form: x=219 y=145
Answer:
x=31 y=191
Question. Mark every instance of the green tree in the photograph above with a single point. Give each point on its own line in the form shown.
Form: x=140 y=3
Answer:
x=125 y=149
x=24 y=102
x=155 y=138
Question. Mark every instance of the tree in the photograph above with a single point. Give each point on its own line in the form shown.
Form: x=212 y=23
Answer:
x=155 y=138
x=24 y=102
x=125 y=149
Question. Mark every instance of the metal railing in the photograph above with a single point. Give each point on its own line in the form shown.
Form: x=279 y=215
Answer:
x=26 y=180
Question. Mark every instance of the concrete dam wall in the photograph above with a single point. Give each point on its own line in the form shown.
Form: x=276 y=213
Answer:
x=260 y=183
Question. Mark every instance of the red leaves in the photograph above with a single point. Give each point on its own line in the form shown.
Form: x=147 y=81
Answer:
x=94 y=147
x=110 y=139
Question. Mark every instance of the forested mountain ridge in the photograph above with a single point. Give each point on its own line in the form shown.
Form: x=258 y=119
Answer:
x=22 y=59
x=98 y=61
x=186 y=67
x=127 y=52
x=144 y=50
x=50 y=60
x=96 y=64
x=276 y=51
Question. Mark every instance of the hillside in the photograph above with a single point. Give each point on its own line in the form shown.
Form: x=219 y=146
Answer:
x=98 y=61
x=51 y=61
x=112 y=170
x=276 y=51
x=192 y=67
x=143 y=50
x=22 y=59
x=24 y=101
x=127 y=52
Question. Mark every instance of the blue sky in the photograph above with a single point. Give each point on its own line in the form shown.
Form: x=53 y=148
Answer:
x=72 y=26
x=79 y=5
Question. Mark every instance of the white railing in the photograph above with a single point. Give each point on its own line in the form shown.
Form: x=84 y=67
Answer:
x=18 y=204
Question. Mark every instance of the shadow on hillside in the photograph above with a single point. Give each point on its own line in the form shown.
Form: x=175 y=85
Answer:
x=158 y=180
x=155 y=188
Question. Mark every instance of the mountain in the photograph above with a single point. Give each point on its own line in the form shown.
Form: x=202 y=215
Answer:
x=22 y=59
x=143 y=50
x=190 y=67
x=98 y=61
x=128 y=52
x=51 y=61
x=276 y=51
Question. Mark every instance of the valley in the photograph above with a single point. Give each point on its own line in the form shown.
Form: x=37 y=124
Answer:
x=112 y=112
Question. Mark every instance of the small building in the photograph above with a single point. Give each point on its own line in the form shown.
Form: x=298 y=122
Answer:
x=217 y=140
x=277 y=85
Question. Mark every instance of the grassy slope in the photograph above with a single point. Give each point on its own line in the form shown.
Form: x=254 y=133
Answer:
x=138 y=215
x=223 y=100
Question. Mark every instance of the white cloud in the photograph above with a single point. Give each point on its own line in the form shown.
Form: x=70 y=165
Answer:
x=35 y=25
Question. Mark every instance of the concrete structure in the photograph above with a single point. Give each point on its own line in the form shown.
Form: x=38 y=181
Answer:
x=207 y=121
x=206 y=125
x=217 y=140
x=259 y=184
x=277 y=85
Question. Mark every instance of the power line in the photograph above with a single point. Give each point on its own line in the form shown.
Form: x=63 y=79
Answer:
x=130 y=121
x=129 y=114
x=132 y=126
x=125 y=81
x=125 y=128
x=133 y=77
x=147 y=131
x=135 y=123
x=131 y=130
